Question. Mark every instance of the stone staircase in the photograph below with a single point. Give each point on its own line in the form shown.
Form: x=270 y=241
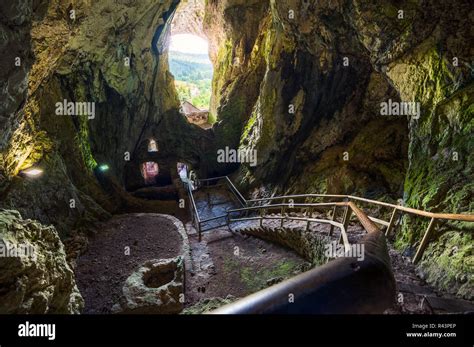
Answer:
x=414 y=295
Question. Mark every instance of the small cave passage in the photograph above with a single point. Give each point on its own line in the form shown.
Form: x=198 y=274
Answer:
x=150 y=171
x=152 y=146
x=183 y=171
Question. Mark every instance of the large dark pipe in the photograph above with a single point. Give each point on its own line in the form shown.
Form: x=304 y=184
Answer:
x=342 y=286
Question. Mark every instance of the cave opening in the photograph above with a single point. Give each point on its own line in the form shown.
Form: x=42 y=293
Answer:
x=183 y=170
x=190 y=64
x=150 y=171
x=152 y=146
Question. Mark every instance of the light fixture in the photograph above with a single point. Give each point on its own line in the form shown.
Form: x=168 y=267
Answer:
x=103 y=167
x=32 y=172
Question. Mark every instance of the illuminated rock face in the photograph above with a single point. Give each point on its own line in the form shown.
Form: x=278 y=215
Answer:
x=107 y=53
x=188 y=18
x=34 y=275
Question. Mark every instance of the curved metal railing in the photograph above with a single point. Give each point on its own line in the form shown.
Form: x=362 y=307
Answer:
x=396 y=210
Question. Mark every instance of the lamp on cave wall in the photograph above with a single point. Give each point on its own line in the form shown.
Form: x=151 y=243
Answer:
x=32 y=172
x=103 y=167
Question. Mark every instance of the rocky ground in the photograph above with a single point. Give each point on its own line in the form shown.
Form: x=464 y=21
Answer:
x=224 y=265
x=34 y=275
x=414 y=294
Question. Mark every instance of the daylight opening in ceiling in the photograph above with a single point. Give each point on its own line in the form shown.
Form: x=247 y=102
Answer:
x=189 y=62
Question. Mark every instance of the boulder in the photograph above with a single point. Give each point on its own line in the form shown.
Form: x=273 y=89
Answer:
x=157 y=287
x=34 y=275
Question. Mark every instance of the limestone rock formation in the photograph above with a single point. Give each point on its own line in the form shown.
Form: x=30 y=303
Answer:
x=155 y=288
x=15 y=28
x=110 y=54
x=34 y=275
x=283 y=88
x=322 y=70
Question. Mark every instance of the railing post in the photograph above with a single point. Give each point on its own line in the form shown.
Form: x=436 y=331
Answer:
x=347 y=217
x=199 y=230
x=261 y=217
x=392 y=221
x=334 y=211
x=282 y=213
x=345 y=223
x=424 y=241
x=310 y=210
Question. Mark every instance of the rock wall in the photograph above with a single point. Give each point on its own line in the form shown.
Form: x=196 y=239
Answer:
x=298 y=81
x=325 y=67
x=427 y=57
x=34 y=275
x=111 y=54
x=282 y=88
x=236 y=31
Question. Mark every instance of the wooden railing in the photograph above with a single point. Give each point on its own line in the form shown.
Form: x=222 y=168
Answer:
x=351 y=283
x=396 y=210
x=346 y=201
x=307 y=210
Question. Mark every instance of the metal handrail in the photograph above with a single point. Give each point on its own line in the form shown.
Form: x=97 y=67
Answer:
x=297 y=196
x=193 y=203
x=242 y=200
x=194 y=211
x=368 y=224
x=396 y=209
x=290 y=205
x=200 y=221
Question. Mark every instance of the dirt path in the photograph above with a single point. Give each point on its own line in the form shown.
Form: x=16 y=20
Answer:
x=223 y=265
x=103 y=268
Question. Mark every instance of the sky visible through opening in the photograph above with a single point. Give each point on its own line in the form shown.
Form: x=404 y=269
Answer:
x=192 y=69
